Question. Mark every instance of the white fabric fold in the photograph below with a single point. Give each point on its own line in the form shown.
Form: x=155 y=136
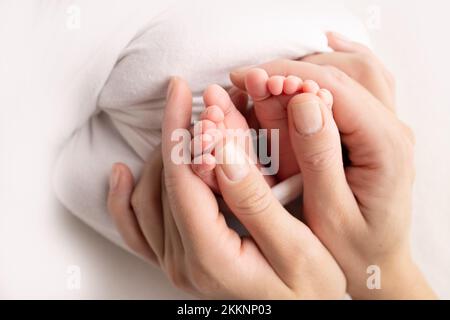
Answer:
x=116 y=95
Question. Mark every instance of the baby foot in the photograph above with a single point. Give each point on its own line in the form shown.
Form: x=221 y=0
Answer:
x=270 y=97
x=218 y=119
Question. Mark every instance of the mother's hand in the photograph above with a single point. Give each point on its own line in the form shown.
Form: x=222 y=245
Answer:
x=190 y=240
x=361 y=212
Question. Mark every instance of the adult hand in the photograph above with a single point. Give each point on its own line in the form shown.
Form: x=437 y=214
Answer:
x=190 y=240
x=360 y=212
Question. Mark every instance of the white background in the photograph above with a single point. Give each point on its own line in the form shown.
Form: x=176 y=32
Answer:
x=39 y=240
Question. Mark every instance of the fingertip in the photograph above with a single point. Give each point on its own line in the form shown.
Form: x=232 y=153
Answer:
x=339 y=42
x=121 y=179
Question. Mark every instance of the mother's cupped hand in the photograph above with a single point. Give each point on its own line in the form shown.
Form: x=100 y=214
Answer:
x=189 y=239
x=360 y=211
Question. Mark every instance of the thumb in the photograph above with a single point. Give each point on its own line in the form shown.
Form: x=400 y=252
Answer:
x=250 y=198
x=316 y=143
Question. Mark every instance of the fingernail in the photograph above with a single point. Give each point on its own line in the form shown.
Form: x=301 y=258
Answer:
x=114 y=178
x=234 y=162
x=307 y=117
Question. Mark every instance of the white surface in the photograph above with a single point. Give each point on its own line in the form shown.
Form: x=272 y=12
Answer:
x=38 y=241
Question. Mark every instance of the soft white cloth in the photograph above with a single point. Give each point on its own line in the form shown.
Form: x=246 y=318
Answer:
x=118 y=92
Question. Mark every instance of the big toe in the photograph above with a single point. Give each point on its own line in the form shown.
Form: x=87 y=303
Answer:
x=256 y=84
x=217 y=96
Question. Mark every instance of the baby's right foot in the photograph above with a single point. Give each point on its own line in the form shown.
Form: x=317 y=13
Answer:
x=271 y=96
x=220 y=123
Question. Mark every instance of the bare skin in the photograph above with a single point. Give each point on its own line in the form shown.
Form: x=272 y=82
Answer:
x=271 y=96
x=360 y=212
x=189 y=239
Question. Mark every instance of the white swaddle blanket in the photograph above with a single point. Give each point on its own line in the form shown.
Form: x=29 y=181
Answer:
x=121 y=91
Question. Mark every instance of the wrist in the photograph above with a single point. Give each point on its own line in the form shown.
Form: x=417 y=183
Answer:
x=399 y=279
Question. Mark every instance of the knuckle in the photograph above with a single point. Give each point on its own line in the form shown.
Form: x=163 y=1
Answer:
x=366 y=62
x=255 y=199
x=335 y=75
x=320 y=160
x=366 y=66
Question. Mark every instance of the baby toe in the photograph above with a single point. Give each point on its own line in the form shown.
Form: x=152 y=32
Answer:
x=310 y=86
x=202 y=144
x=292 y=84
x=275 y=85
x=203 y=126
x=203 y=163
x=203 y=166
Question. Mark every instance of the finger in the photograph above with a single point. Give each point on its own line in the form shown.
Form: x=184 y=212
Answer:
x=317 y=148
x=338 y=42
x=359 y=69
x=250 y=198
x=193 y=204
x=119 y=206
x=146 y=203
x=174 y=251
